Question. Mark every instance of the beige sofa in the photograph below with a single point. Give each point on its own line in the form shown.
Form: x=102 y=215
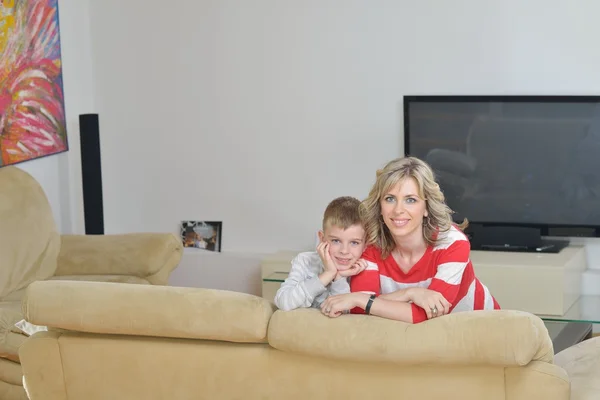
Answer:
x=31 y=250
x=116 y=341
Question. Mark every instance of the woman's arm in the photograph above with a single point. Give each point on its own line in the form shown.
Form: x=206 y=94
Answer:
x=391 y=309
x=451 y=265
x=398 y=295
x=367 y=282
x=425 y=299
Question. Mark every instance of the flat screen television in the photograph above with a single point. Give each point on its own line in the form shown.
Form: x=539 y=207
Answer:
x=521 y=169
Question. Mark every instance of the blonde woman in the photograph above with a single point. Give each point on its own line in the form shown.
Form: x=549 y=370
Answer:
x=418 y=264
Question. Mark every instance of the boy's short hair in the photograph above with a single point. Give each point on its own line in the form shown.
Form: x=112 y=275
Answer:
x=342 y=212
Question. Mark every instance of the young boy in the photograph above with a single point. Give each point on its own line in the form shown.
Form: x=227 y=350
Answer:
x=314 y=276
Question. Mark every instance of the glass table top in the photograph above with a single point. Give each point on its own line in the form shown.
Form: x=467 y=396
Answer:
x=586 y=309
x=276 y=277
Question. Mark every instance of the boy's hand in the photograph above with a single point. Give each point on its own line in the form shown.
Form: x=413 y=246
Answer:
x=355 y=269
x=334 y=306
x=330 y=271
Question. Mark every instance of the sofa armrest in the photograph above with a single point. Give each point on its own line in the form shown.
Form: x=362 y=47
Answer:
x=496 y=338
x=44 y=367
x=151 y=256
x=145 y=310
x=538 y=380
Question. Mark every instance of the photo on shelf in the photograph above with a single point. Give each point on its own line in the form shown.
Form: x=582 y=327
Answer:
x=204 y=235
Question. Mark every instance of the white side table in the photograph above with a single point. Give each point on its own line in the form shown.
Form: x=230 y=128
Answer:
x=274 y=270
x=238 y=272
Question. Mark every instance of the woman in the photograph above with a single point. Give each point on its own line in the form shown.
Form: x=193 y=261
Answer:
x=418 y=264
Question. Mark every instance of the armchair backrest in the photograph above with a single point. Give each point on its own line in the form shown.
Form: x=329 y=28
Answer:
x=29 y=242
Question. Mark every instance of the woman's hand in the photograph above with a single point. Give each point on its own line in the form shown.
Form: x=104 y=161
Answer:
x=334 y=306
x=432 y=302
x=358 y=267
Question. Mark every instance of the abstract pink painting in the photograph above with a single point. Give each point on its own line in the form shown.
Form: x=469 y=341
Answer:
x=32 y=112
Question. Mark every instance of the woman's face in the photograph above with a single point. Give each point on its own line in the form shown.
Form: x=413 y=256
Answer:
x=403 y=210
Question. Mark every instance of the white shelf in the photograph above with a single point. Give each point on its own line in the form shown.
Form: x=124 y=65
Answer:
x=547 y=284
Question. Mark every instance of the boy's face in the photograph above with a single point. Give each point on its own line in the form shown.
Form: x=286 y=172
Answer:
x=345 y=246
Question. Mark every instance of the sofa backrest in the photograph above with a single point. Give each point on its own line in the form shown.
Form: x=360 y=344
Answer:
x=29 y=242
x=493 y=338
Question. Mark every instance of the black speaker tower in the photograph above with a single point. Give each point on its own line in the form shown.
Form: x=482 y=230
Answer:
x=91 y=174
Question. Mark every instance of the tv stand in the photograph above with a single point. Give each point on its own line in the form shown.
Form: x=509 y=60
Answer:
x=513 y=239
x=545 y=246
x=539 y=283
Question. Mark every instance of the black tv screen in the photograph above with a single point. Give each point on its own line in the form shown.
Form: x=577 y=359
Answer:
x=512 y=160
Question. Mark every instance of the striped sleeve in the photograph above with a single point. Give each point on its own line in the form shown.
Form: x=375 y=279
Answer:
x=451 y=265
x=368 y=280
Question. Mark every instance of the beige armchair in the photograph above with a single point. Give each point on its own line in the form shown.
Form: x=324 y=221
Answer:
x=32 y=250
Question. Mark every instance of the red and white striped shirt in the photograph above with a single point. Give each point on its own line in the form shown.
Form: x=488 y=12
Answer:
x=445 y=268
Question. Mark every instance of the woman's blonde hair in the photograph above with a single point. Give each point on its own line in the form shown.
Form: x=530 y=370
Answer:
x=439 y=218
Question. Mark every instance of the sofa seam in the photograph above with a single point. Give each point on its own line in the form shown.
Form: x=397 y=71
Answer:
x=62 y=366
x=555 y=376
x=567 y=381
x=174 y=253
x=505 y=385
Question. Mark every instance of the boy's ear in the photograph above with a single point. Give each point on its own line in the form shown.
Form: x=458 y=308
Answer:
x=321 y=236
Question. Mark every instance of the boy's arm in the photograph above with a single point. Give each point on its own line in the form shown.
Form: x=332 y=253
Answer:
x=340 y=286
x=299 y=289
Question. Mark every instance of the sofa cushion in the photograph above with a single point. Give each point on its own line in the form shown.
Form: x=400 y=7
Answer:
x=582 y=364
x=15 y=296
x=499 y=337
x=29 y=242
x=103 y=278
x=19 y=294
x=10 y=338
x=10 y=372
x=146 y=310
x=148 y=255
x=12 y=392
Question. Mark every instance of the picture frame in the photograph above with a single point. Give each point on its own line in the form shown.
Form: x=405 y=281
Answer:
x=34 y=120
x=203 y=235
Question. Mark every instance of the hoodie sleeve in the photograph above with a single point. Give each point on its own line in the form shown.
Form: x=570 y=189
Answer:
x=300 y=288
x=341 y=286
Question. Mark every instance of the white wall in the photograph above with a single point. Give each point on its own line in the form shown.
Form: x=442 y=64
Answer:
x=258 y=113
x=60 y=175
x=49 y=172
